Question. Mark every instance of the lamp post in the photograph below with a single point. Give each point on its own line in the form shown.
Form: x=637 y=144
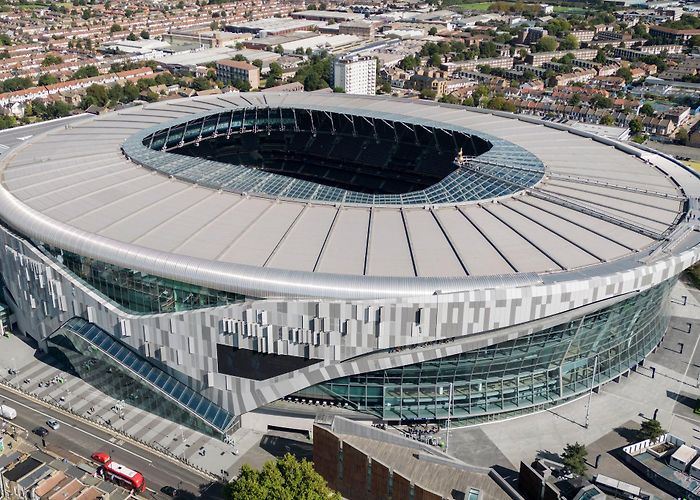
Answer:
x=437 y=311
x=450 y=402
x=590 y=393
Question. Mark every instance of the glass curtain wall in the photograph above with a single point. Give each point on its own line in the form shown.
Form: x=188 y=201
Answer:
x=514 y=377
x=139 y=292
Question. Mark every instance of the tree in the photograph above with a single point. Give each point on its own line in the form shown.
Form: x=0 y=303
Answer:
x=385 y=87
x=285 y=477
x=242 y=85
x=500 y=103
x=16 y=83
x=488 y=49
x=574 y=457
x=432 y=31
x=131 y=92
x=575 y=100
x=410 y=62
x=646 y=109
x=607 y=120
x=258 y=63
x=145 y=35
x=450 y=99
x=600 y=101
x=636 y=127
x=570 y=42
x=47 y=79
x=435 y=60
x=275 y=69
x=132 y=37
x=625 y=73
x=558 y=26
x=279 y=50
x=546 y=44
x=7 y=121
x=85 y=72
x=51 y=59
x=651 y=429
x=95 y=95
x=601 y=56
x=640 y=30
x=682 y=137
x=316 y=73
x=201 y=83
x=115 y=28
x=428 y=94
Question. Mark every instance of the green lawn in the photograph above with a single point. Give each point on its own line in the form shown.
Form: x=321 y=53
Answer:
x=480 y=6
x=568 y=10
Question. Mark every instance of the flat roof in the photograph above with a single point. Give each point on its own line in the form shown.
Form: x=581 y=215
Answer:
x=214 y=54
x=598 y=204
x=684 y=454
x=274 y=24
x=23 y=468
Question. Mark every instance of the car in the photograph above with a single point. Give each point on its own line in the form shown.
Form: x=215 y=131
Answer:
x=169 y=490
x=53 y=424
x=41 y=431
x=101 y=457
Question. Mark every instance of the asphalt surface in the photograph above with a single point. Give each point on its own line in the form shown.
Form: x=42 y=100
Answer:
x=77 y=441
x=14 y=136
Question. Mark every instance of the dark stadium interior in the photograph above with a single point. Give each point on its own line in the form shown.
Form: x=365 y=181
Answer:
x=355 y=153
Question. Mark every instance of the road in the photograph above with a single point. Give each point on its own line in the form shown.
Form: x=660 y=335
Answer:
x=15 y=136
x=77 y=440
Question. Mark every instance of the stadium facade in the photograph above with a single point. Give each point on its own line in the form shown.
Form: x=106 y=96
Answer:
x=409 y=260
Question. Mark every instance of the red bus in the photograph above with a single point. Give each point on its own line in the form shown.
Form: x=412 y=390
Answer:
x=121 y=474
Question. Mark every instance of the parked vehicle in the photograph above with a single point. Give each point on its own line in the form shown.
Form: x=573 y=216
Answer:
x=53 y=424
x=8 y=412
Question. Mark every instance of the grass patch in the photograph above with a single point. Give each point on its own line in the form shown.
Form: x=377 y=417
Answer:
x=478 y=6
x=562 y=9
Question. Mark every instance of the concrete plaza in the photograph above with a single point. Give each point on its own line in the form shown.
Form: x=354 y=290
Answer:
x=207 y=453
x=615 y=412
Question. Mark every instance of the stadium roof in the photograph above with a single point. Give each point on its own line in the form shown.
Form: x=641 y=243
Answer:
x=598 y=203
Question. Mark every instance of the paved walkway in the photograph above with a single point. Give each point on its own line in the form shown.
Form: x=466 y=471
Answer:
x=615 y=412
x=86 y=400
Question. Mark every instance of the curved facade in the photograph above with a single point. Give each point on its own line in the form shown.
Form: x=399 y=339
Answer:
x=513 y=377
x=407 y=259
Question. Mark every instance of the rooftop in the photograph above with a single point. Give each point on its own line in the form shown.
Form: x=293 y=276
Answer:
x=236 y=64
x=598 y=205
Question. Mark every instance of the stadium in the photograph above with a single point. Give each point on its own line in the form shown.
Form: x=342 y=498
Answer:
x=206 y=258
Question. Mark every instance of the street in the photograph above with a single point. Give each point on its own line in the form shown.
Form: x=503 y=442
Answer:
x=14 y=136
x=76 y=440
